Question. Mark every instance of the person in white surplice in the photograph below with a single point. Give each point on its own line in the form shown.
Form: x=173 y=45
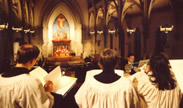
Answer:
x=20 y=90
x=157 y=86
x=107 y=89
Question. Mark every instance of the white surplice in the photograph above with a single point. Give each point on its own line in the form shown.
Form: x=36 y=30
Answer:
x=119 y=94
x=23 y=91
x=153 y=97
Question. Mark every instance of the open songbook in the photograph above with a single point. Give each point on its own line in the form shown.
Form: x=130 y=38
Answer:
x=61 y=84
x=143 y=63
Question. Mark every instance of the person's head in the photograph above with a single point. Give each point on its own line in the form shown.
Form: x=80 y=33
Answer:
x=108 y=59
x=27 y=53
x=159 y=64
x=131 y=58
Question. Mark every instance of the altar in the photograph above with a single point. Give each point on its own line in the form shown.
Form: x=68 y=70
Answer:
x=61 y=48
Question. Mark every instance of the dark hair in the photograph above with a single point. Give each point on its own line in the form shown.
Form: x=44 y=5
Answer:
x=26 y=53
x=108 y=59
x=130 y=54
x=159 y=65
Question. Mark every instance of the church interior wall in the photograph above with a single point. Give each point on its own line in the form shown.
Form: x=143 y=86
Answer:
x=159 y=19
x=162 y=18
x=174 y=40
x=128 y=40
x=83 y=42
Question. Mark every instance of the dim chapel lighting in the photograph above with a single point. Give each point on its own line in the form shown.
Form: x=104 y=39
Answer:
x=17 y=29
x=166 y=28
x=100 y=32
x=92 y=32
x=111 y=31
x=130 y=30
x=4 y=26
x=27 y=30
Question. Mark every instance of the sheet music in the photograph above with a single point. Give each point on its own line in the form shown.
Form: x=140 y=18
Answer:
x=65 y=84
x=54 y=76
x=61 y=84
x=143 y=63
x=39 y=73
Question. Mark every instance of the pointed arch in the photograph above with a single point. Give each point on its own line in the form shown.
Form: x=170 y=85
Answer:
x=131 y=7
x=75 y=27
x=91 y=21
x=112 y=11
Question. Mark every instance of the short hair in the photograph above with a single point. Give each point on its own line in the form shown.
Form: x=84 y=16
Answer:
x=159 y=65
x=26 y=53
x=130 y=54
x=108 y=59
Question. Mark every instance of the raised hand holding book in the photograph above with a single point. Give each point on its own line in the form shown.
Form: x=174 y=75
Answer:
x=61 y=84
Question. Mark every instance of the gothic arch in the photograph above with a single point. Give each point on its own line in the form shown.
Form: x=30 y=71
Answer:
x=75 y=29
x=100 y=18
x=131 y=7
x=111 y=12
x=91 y=22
